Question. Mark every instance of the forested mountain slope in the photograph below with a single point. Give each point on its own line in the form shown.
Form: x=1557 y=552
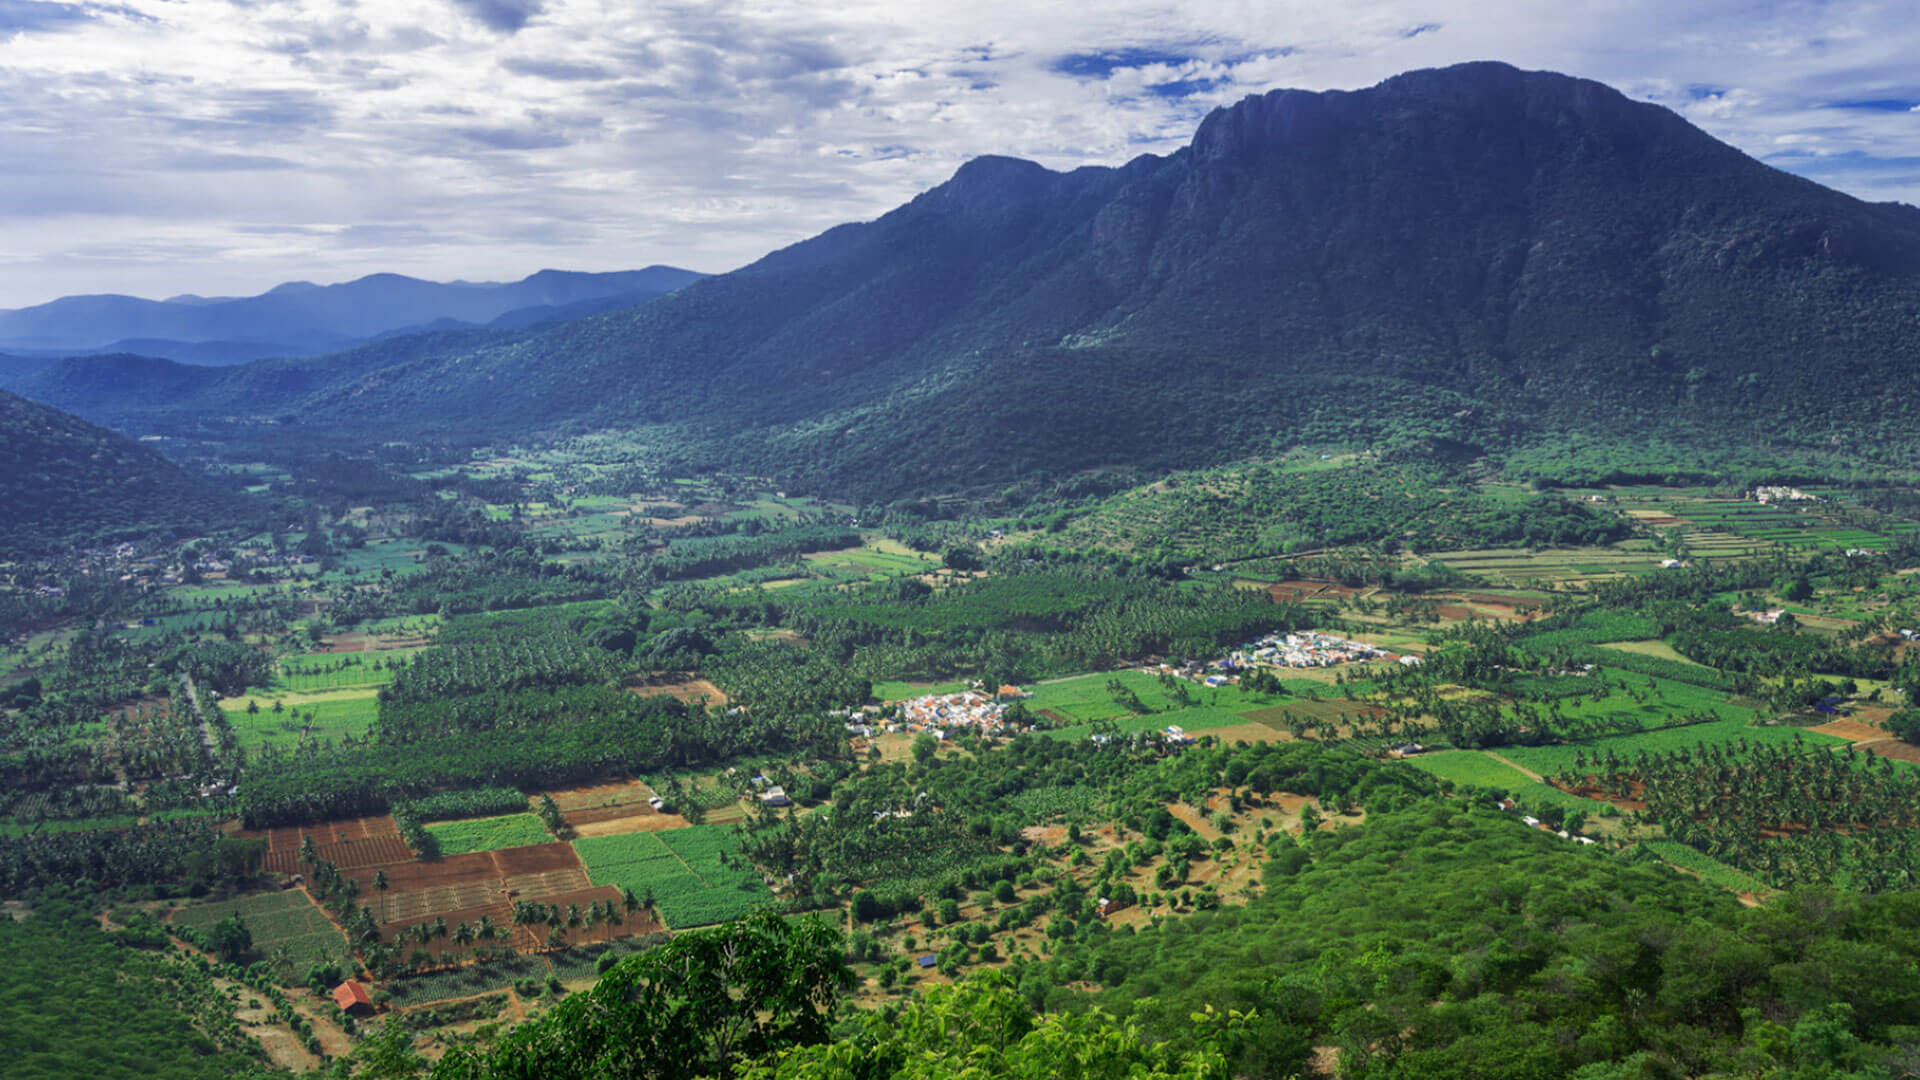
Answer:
x=1476 y=257
x=64 y=481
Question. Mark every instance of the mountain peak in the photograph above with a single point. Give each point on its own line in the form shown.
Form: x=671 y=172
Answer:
x=992 y=178
x=1482 y=94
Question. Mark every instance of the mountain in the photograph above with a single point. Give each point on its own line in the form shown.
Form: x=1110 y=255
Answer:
x=300 y=318
x=1474 y=260
x=66 y=482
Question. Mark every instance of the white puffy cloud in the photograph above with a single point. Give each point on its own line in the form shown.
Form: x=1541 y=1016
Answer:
x=220 y=146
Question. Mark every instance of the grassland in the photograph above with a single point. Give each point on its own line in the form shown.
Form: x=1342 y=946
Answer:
x=488 y=833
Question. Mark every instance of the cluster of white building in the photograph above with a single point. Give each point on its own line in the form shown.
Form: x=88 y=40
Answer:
x=1308 y=648
x=937 y=712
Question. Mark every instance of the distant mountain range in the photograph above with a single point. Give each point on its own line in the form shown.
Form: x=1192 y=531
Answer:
x=66 y=483
x=1469 y=261
x=303 y=319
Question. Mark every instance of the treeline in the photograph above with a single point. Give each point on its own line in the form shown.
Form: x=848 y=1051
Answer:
x=708 y=556
x=547 y=661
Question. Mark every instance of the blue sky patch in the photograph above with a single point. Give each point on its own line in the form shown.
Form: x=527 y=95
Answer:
x=1101 y=65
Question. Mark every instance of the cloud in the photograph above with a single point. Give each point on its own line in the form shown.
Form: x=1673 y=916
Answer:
x=483 y=139
x=559 y=70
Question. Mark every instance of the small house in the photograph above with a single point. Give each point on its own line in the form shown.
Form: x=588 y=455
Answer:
x=775 y=796
x=353 y=999
x=928 y=960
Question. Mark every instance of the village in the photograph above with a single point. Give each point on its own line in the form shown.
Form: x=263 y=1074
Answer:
x=1304 y=649
x=973 y=709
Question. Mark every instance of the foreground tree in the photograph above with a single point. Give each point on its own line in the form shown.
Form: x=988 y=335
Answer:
x=984 y=1028
x=697 y=1006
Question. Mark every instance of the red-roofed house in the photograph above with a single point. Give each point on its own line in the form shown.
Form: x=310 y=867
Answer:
x=351 y=996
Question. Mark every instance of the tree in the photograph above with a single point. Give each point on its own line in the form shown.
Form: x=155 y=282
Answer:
x=230 y=938
x=695 y=1006
x=1905 y=725
x=925 y=747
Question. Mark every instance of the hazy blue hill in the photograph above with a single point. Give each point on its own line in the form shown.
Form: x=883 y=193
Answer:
x=1477 y=257
x=66 y=482
x=301 y=318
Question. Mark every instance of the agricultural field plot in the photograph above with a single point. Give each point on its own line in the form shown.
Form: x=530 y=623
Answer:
x=287 y=920
x=1723 y=526
x=305 y=716
x=348 y=844
x=1481 y=770
x=331 y=670
x=1649 y=701
x=688 y=690
x=347 y=854
x=1706 y=867
x=622 y=793
x=1650 y=647
x=870 y=562
x=488 y=833
x=681 y=869
x=1194 y=721
x=1524 y=569
x=1086 y=698
x=1549 y=760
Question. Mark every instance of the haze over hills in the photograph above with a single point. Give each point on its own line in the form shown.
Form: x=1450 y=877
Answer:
x=300 y=318
x=1475 y=259
x=67 y=482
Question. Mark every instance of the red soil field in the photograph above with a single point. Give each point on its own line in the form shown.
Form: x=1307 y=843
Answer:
x=1895 y=749
x=1310 y=590
x=537 y=858
x=1852 y=730
x=624 y=792
x=588 y=816
x=350 y=855
x=288 y=837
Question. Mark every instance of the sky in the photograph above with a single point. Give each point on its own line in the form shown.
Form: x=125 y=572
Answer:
x=218 y=147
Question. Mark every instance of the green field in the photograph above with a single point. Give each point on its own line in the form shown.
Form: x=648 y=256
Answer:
x=1086 y=697
x=488 y=833
x=1195 y=721
x=287 y=920
x=1706 y=867
x=1472 y=767
x=1548 y=760
x=681 y=868
x=1660 y=701
x=333 y=671
x=333 y=714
